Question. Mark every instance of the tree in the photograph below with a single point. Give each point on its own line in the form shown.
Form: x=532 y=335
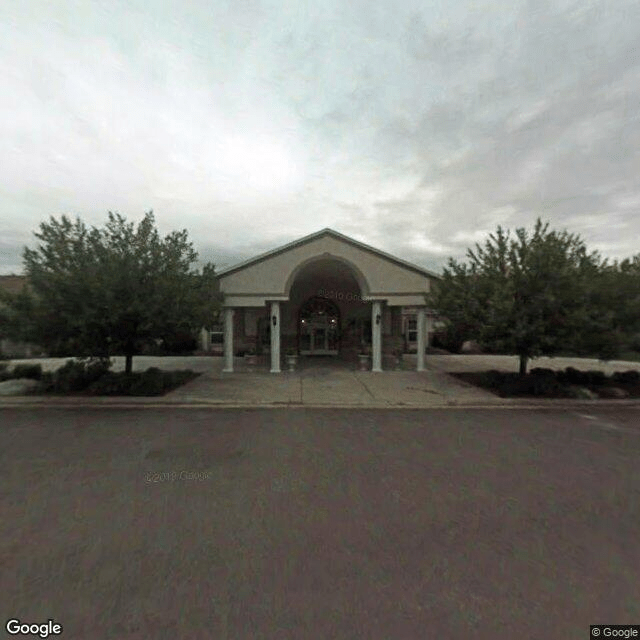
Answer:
x=111 y=290
x=531 y=295
x=618 y=290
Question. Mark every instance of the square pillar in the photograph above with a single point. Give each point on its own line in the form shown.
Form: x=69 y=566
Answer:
x=376 y=336
x=228 y=341
x=421 y=341
x=205 y=339
x=274 y=319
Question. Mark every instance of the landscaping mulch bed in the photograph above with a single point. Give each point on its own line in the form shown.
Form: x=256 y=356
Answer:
x=138 y=383
x=547 y=383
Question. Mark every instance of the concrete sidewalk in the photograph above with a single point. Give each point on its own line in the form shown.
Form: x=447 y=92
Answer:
x=332 y=388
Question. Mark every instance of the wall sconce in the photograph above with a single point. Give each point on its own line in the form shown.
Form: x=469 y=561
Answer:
x=378 y=317
x=274 y=319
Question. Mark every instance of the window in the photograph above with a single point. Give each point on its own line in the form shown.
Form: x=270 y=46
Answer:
x=412 y=330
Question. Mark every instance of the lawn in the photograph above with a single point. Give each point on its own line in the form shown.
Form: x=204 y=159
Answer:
x=319 y=524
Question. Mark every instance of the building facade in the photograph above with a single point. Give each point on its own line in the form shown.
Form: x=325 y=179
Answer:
x=326 y=294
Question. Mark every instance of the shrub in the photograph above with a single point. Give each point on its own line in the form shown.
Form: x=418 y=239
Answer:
x=572 y=376
x=575 y=377
x=180 y=343
x=33 y=371
x=543 y=385
x=78 y=374
x=626 y=377
x=153 y=382
x=113 y=384
x=447 y=340
x=595 y=377
x=634 y=343
x=513 y=384
x=541 y=371
x=149 y=383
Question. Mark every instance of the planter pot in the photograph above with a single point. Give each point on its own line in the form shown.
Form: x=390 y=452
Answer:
x=398 y=362
x=251 y=359
x=291 y=362
x=363 y=362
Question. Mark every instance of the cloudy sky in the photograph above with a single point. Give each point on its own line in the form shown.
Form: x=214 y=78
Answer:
x=416 y=127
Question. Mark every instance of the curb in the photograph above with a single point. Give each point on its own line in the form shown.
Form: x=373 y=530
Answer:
x=23 y=402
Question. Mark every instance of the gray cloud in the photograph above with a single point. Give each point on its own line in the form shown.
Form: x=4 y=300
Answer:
x=252 y=123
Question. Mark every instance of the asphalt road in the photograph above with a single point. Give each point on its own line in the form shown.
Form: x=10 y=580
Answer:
x=294 y=523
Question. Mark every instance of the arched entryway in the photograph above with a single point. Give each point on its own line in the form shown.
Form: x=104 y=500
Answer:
x=319 y=327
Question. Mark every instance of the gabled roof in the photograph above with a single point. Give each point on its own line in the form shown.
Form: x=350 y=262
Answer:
x=339 y=236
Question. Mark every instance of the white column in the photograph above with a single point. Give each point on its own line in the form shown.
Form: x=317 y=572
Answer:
x=228 y=341
x=376 y=335
x=275 y=337
x=204 y=339
x=421 y=328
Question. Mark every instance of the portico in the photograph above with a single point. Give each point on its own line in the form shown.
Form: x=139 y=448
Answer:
x=324 y=294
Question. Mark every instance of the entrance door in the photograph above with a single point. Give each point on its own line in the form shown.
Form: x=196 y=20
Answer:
x=318 y=327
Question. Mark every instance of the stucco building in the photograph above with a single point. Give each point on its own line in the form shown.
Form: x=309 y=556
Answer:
x=326 y=294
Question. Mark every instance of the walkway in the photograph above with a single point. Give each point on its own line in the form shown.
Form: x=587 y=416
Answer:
x=328 y=382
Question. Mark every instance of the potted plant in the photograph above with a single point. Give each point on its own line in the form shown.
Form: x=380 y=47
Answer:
x=364 y=357
x=250 y=357
x=397 y=355
x=292 y=359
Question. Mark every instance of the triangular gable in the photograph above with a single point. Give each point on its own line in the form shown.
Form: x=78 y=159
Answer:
x=320 y=234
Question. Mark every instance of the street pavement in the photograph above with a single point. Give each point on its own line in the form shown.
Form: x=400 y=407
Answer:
x=320 y=523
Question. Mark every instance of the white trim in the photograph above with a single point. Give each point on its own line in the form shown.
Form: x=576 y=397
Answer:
x=335 y=234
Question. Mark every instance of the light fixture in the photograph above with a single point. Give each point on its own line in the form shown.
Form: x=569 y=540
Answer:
x=378 y=317
x=274 y=319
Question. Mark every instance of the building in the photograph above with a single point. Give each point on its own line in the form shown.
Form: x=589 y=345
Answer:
x=326 y=294
x=14 y=284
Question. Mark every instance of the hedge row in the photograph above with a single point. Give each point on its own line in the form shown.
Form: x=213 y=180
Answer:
x=92 y=377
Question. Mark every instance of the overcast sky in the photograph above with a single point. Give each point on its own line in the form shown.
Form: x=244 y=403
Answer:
x=416 y=127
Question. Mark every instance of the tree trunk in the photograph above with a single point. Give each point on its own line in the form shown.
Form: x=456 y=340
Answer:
x=128 y=363
x=523 y=364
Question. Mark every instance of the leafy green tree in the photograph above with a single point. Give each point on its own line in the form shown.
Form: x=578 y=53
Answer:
x=617 y=289
x=111 y=290
x=532 y=295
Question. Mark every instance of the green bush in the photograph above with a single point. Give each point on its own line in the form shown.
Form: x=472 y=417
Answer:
x=4 y=371
x=513 y=384
x=541 y=371
x=572 y=376
x=78 y=374
x=152 y=382
x=596 y=377
x=634 y=343
x=626 y=377
x=180 y=343
x=33 y=371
